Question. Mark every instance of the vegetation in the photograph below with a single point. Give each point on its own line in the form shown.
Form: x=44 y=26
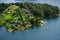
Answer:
x=19 y=16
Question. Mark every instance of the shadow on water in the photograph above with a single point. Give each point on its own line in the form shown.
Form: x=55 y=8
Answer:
x=53 y=18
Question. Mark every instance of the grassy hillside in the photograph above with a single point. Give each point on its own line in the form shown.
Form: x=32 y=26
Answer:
x=19 y=16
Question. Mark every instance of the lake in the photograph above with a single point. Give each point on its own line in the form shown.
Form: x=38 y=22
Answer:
x=49 y=31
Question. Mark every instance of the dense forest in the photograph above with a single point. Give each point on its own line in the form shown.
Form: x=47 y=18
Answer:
x=19 y=16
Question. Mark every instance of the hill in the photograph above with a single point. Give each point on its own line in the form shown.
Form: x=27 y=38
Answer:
x=19 y=16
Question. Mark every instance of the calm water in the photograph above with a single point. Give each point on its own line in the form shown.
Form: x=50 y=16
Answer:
x=50 y=31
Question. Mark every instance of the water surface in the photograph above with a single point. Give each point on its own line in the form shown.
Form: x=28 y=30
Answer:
x=50 y=31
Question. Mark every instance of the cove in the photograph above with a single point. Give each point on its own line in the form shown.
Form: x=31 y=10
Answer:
x=50 y=31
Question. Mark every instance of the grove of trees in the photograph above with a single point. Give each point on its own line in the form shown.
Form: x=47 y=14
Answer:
x=19 y=16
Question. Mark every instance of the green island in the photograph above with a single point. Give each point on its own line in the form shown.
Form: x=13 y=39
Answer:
x=20 y=16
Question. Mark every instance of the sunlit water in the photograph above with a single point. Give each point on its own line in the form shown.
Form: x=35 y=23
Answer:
x=50 y=31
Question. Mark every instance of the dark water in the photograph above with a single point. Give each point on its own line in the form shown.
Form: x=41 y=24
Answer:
x=50 y=31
